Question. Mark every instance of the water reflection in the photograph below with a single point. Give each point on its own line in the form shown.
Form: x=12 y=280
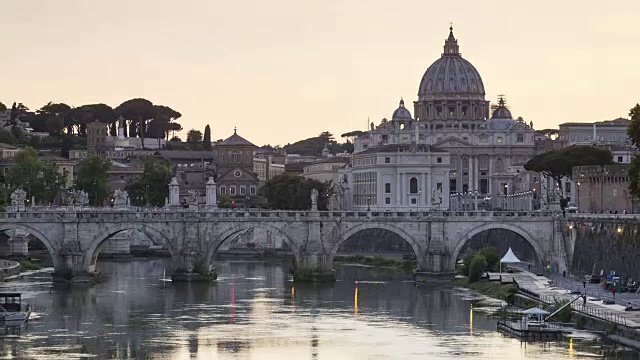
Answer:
x=255 y=311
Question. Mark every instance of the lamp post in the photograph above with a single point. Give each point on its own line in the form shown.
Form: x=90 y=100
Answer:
x=475 y=200
x=578 y=194
x=418 y=199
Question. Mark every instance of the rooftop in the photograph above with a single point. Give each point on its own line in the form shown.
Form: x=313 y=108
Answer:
x=395 y=148
x=185 y=154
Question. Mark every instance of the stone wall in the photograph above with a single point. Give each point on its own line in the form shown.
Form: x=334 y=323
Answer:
x=607 y=246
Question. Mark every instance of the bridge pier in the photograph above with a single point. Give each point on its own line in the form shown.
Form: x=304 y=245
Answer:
x=18 y=246
x=72 y=270
x=434 y=267
x=192 y=267
x=313 y=268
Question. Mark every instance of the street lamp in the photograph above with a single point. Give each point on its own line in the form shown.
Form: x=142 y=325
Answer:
x=418 y=199
x=369 y=203
x=578 y=194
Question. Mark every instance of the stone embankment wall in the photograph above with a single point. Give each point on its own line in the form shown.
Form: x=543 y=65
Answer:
x=607 y=246
x=8 y=268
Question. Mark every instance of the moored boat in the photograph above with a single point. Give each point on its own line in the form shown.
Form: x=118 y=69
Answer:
x=12 y=309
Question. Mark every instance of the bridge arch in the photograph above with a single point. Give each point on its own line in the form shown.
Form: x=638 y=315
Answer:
x=376 y=226
x=50 y=245
x=530 y=239
x=156 y=236
x=241 y=227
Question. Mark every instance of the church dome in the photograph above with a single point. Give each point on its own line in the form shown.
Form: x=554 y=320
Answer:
x=501 y=111
x=451 y=75
x=401 y=112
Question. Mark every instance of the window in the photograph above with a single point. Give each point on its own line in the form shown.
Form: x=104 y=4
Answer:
x=387 y=160
x=567 y=187
x=243 y=190
x=252 y=190
x=484 y=186
x=439 y=160
x=499 y=140
x=387 y=188
x=232 y=190
x=439 y=186
x=519 y=138
x=223 y=190
x=453 y=185
x=235 y=157
x=413 y=201
x=619 y=159
x=413 y=185
x=387 y=200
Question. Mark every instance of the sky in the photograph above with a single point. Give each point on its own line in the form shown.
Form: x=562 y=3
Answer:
x=285 y=70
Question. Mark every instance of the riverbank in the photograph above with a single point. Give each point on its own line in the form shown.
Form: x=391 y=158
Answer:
x=377 y=261
x=492 y=289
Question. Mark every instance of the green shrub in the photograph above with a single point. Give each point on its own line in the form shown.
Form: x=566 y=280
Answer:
x=467 y=263
x=581 y=321
x=491 y=255
x=477 y=267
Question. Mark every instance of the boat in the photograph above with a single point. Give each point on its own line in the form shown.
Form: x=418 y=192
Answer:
x=12 y=309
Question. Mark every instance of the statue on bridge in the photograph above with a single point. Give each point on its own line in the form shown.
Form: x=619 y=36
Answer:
x=120 y=198
x=80 y=197
x=314 y=199
x=18 y=196
x=436 y=196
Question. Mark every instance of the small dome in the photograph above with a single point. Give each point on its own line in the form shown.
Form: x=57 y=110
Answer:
x=401 y=112
x=451 y=75
x=501 y=111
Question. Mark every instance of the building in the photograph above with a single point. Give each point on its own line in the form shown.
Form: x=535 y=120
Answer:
x=234 y=169
x=401 y=177
x=602 y=132
x=484 y=144
x=603 y=189
x=192 y=169
x=8 y=151
x=122 y=174
x=267 y=165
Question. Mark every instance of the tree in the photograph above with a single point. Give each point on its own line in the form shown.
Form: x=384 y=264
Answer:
x=3 y=107
x=194 y=136
x=558 y=164
x=37 y=178
x=7 y=137
x=290 y=192
x=60 y=112
x=224 y=201
x=477 y=268
x=206 y=142
x=633 y=131
x=137 y=112
x=151 y=188
x=93 y=178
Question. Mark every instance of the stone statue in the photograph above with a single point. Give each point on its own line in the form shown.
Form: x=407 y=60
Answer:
x=120 y=198
x=314 y=197
x=436 y=196
x=193 y=197
x=18 y=197
x=80 y=197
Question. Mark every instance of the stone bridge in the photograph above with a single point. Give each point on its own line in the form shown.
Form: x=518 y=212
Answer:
x=74 y=237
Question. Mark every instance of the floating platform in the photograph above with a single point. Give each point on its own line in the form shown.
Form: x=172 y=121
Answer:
x=531 y=332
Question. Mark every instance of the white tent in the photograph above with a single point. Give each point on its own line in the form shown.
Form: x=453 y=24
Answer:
x=535 y=311
x=508 y=258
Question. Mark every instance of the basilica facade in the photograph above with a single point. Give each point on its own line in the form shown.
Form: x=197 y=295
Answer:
x=456 y=142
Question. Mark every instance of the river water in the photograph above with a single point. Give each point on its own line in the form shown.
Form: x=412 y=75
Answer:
x=255 y=312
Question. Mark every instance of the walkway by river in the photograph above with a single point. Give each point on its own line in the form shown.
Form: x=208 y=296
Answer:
x=255 y=312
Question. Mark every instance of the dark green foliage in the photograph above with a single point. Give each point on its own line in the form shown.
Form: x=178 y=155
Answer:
x=194 y=136
x=224 y=201
x=558 y=164
x=564 y=315
x=634 y=176
x=3 y=107
x=7 y=137
x=633 y=131
x=477 y=268
x=206 y=142
x=491 y=256
x=290 y=192
x=38 y=178
x=92 y=177
x=315 y=145
x=151 y=188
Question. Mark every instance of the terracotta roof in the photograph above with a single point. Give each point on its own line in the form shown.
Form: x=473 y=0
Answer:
x=236 y=140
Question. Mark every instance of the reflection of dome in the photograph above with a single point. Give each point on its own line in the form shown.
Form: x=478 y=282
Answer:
x=451 y=75
x=401 y=112
x=500 y=111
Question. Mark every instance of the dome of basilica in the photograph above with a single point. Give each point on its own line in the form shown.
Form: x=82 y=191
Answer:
x=501 y=111
x=451 y=75
x=401 y=113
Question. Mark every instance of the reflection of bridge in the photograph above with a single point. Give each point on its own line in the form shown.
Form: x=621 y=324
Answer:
x=75 y=237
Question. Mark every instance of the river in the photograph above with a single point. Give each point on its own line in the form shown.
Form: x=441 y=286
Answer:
x=255 y=312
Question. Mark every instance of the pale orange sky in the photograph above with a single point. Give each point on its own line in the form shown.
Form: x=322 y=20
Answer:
x=285 y=70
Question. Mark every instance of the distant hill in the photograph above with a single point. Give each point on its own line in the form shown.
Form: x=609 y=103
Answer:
x=313 y=146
